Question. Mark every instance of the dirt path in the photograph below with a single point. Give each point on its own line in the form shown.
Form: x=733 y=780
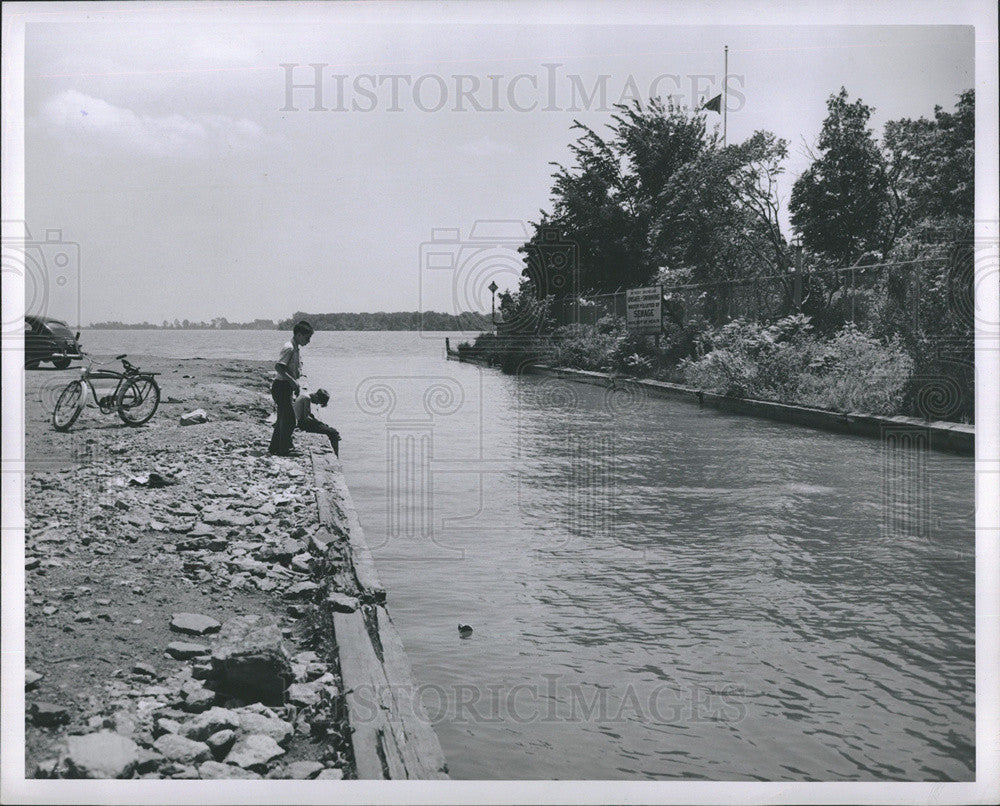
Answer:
x=158 y=560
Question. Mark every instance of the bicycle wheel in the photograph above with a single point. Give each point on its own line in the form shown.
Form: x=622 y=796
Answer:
x=68 y=406
x=138 y=400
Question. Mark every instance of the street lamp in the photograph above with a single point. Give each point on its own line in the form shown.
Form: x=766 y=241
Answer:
x=796 y=271
x=493 y=313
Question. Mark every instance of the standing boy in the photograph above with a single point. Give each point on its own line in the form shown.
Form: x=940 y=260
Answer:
x=287 y=370
x=305 y=421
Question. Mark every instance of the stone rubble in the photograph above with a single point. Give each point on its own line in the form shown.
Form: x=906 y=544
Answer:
x=235 y=520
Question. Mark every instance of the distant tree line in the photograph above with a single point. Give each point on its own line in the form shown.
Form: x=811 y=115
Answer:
x=382 y=320
x=220 y=323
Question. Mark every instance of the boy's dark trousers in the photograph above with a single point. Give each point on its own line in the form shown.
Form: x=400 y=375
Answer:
x=314 y=426
x=281 y=439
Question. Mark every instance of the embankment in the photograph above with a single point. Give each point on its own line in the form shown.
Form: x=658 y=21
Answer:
x=939 y=435
x=166 y=566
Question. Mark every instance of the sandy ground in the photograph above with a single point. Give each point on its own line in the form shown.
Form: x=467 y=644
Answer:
x=112 y=557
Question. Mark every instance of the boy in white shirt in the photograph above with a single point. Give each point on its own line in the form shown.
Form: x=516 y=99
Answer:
x=287 y=370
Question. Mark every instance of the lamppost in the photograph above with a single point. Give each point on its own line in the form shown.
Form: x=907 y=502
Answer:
x=796 y=270
x=493 y=313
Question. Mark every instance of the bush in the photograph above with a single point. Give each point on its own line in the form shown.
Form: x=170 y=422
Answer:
x=786 y=363
x=586 y=347
x=855 y=372
x=748 y=359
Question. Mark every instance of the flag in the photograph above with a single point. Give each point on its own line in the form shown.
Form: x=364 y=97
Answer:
x=715 y=105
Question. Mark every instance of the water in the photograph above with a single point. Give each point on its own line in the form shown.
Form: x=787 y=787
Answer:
x=656 y=591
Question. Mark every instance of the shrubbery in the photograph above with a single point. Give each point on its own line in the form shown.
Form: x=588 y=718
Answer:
x=785 y=362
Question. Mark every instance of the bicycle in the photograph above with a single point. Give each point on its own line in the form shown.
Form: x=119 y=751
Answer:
x=136 y=396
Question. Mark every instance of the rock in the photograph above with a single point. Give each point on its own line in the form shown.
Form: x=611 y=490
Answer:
x=83 y=616
x=342 y=603
x=174 y=747
x=210 y=722
x=303 y=694
x=31 y=679
x=47 y=768
x=187 y=772
x=281 y=552
x=254 y=752
x=266 y=725
x=124 y=723
x=31 y=563
x=197 y=698
x=319 y=541
x=100 y=755
x=215 y=770
x=220 y=742
x=148 y=761
x=182 y=650
x=144 y=669
x=166 y=725
x=330 y=774
x=48 y=715
x=303 y=770
x=194 y=417
x=217 y=517
x=151 y=480
x=302 y=563
x=250 y=661
x=301 y=590
x=193 y=623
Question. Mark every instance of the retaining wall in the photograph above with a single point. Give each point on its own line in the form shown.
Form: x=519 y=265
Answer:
x=391 y=735
x=952 y=437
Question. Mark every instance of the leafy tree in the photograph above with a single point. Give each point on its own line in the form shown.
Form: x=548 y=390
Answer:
x=932 y=166
x=839 y=204
x=605 y=203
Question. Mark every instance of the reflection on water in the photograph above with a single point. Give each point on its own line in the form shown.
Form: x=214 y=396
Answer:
x=657 y=591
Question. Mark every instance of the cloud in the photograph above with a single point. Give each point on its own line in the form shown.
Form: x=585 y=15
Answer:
x=97 y=122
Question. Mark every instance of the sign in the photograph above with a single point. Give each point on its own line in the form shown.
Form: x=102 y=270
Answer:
x=644 y=309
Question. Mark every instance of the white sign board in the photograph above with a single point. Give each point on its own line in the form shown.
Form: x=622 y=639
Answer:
x=643 y=309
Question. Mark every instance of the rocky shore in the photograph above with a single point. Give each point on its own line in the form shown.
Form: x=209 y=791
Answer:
x=175 y=577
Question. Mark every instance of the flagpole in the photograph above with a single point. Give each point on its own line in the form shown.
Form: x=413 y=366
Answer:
x=725 y=91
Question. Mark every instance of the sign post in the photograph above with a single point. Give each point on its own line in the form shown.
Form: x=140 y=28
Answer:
x=644 y=310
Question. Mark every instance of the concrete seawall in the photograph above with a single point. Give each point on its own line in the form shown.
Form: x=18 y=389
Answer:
x=951 y=437
x=392 y=737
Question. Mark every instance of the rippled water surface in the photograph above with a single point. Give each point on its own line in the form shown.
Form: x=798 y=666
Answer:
x=656 y=591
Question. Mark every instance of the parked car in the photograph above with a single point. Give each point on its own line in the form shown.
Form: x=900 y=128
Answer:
x=48 y=339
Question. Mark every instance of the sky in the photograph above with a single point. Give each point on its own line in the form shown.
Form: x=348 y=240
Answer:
x=163 y=145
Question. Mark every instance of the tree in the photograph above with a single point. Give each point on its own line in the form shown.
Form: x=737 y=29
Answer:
x=605 y=203
x=932 y=166
x=718 y=223
x=840 y=203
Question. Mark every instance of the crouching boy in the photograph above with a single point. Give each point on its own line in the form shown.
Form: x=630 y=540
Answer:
x=305 y=421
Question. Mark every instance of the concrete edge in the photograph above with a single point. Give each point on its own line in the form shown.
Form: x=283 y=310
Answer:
x=944 y=436
x=391 y=734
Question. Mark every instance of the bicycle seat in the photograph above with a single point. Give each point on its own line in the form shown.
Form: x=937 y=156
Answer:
x=120 y=357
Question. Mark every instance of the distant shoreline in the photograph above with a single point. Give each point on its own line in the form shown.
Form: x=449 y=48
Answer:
x=455 y=329
x=364 y=321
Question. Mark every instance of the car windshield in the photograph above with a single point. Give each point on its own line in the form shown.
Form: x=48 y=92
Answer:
x=58 y=329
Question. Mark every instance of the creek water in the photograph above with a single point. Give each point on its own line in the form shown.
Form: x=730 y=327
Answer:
x=656 y=591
